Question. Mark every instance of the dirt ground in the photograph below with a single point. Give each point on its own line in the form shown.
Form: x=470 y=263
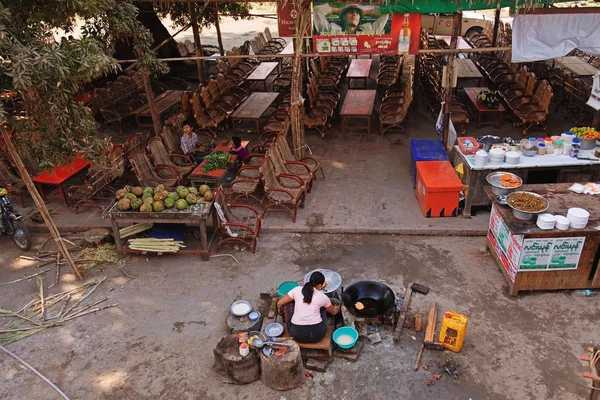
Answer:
x=158 y=342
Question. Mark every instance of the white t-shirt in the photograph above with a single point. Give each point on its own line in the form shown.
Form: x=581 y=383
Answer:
x=308 y=314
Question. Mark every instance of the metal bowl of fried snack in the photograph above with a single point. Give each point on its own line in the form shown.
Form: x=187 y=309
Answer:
x=503 y=182
x=526 y=205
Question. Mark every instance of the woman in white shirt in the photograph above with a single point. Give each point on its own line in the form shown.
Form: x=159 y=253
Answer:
x=305 y=310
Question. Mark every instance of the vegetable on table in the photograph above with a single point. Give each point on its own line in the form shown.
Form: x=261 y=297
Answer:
x=216 y=160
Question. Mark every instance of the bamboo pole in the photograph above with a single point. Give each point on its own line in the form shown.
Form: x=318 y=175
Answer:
x=218 y=27
x=197 y=44
x=151 y=103
x=496 y=26
x=37 y=199
x=296 y=104
x=311 y=55
x=456 y=22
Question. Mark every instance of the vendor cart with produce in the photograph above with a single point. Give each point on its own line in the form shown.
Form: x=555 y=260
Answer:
x=141 y=208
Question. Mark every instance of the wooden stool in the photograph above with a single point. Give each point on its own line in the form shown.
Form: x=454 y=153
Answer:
x=230 y=363
x=284 y=372
x=323 y=349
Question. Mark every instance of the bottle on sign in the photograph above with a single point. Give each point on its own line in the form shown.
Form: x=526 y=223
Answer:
x=404 y=37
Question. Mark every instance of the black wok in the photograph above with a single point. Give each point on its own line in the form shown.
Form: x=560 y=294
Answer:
x=376 y=298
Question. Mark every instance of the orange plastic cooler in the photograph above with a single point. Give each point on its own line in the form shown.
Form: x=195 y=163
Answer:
x=438 y=188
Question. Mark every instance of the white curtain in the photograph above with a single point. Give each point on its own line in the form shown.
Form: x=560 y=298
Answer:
x=539 y=37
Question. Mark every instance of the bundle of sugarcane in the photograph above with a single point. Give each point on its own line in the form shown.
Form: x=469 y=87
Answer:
x=134 y=229
x=155 y=245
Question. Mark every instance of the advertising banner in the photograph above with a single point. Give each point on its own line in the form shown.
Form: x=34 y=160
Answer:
x=347 y=28
x=286 y=18
x=506 y=245
x=551 y=254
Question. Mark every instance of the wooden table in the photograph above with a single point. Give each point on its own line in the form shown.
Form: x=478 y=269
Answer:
x=578 y=66
x=359 y=69
x=550 y=168
x=57 y=176
x=534 y=259
x=198 y=177
x=261 y=73
x=164 y=102
x=466 y=69
x=197 y=214
x=358 y=104
x=481 y=110
x=252 y=109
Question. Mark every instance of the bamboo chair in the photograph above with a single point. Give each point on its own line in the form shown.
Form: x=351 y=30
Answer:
x=272 y=39
x=269 y=44
x=296 y=168
x=535 y=113
x=205 y=119
x=515 y=101
x=98 y=182
x=172 y=140
x=230 y=88
x=149 y=175
x=277 y=195
x=212 y=99
x=233 y=228
x=518 y=84
x=182 y=163
x=393 y=119
x=286 y=152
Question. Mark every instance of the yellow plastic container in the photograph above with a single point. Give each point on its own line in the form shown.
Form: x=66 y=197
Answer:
x=453 y=331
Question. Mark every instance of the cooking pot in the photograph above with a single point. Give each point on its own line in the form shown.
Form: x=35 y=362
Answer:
x=488 y=141
x=376 y=298
x=333 y=279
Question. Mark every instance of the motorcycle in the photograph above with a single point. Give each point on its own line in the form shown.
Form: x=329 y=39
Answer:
x=11 y=222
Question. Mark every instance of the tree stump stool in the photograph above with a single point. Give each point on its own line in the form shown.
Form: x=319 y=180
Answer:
x=230 y=363
x=284 y=372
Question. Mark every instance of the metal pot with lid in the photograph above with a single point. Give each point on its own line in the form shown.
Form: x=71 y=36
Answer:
x=488 y=141
x=333 y=279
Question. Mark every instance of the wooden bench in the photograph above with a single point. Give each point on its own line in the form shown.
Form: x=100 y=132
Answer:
x=322 y=349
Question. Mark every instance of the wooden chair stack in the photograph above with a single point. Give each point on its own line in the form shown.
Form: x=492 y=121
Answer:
x=533 y=110
x=394 y=106
x=390 y=71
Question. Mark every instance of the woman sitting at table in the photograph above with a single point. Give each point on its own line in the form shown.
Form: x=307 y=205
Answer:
x=305 y=309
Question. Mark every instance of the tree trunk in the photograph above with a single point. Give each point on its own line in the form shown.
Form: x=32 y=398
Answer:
x=284 y=372
x=37 y=199
x=197 y=44
x=230 y=363
x=148 y=17
x=218 y=27
x=151 y=104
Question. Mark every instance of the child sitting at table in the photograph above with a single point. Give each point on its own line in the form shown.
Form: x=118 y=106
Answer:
x=238 y=149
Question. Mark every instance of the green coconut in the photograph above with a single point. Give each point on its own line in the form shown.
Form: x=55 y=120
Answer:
x=181 y=204
x=203 y=189
x=160 y=188
x=121 y=193
x=124 y=205
x=136 y=203
x=149 y=190
x=169 y=202
x=131 y=196
x=208 y=196
x=182 y=192
x=160 y=196
x=146 y=207
x=148 y=200
x=192 y=190
x=138 y=191
x=173 y=196
x=158 y=206
x=191 y=198
x=127 y=188
x=147 y=195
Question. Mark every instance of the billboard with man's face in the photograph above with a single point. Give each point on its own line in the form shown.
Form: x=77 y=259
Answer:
x=350 y=28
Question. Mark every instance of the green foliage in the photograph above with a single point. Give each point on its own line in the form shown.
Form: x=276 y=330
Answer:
x=49 y=73
x=180 y=15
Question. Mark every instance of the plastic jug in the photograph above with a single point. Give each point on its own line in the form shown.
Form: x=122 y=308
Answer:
x=453 y=331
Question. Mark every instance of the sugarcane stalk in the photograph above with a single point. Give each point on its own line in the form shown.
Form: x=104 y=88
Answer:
x=14 y=314
x=25 y=278
x=40 y=283
x=90 y=311
x=30 y=328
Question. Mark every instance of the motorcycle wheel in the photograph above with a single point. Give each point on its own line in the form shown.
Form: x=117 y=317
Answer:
x=21 y=235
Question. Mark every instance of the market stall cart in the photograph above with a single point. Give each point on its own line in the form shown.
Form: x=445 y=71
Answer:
x=538 y=169
x=534 y=259
x=196 y=214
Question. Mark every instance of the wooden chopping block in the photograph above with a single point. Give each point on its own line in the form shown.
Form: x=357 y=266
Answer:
x=418 y=322
x=430 y=341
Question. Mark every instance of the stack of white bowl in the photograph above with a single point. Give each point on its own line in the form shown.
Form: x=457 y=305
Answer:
x=512 y=157
x=496 y=156
x=546 y=221
x=578 y=218
x=481 y=158
x=562 y=223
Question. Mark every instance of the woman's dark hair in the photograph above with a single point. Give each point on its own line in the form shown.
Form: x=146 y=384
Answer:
x=316 y=278
x=237 y=141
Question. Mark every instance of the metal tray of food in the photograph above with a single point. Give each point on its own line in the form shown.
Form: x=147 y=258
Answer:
x=503 y=182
